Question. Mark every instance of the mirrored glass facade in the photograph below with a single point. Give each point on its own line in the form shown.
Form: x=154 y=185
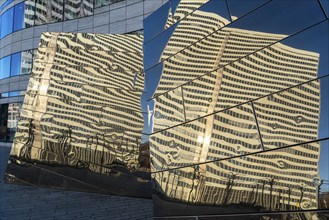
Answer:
x=237 y=98
x=38 y=12
x=81 y=121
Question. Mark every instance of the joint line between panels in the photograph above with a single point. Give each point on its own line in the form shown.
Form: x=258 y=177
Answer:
x=229 y=11
x=244 y=155
x=268 y=1
x=243 y=103
x=257 y=124
x=228 y=64
x=322 y=8
x=182 y=89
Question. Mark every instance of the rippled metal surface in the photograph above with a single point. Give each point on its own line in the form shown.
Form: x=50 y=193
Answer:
x=81 y=121
x=239 y=102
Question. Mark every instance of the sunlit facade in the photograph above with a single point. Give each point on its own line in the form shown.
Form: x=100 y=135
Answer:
x=22 y=22
x=82 y=110
x=236 y=112
x=217 y=111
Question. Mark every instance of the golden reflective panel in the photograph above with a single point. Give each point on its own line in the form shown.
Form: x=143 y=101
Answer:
x=240 y=111
x=81 y=120
x=291 y=116
x=229 y=133
x=285 y=179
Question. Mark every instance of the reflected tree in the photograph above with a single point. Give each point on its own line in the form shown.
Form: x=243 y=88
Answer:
x=229 y=186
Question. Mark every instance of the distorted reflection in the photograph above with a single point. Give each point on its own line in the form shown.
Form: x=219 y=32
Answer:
x=81 y=119
x=240 y=109
x=286 y=179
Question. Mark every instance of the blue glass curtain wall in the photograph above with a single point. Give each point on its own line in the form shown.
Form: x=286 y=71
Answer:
x=16 y=64
x=38 y=12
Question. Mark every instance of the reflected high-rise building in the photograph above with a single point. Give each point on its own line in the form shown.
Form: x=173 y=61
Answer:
x=82 y=106
x=197 y=81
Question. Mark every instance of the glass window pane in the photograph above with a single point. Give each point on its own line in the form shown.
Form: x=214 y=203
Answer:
x=7 y=22
x=87 y=7
x=27 y=60
x=42 y=12
x=72 y=9
x=13 y=117
x=169 y=109
x=5 y=67
x=15 y=64
x=48 y=11
x=29 y=13
x=293 y=116
x=225 y=134
x=19 y=17
x=57 y=10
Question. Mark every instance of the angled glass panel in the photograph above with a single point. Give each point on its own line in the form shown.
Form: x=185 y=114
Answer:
x=182 y=8
x=288 y=179
x=239 y=8
x=201 y=95
x=203 y=21
x=169 y=109
x=293 y=116
x=311 y=50
x=225 y=134
x=84 y=129
x=119 y=98
x=67 y=172
x=155 y=23
x=282 y=65
x=154 y=48
x=325 y=5
x=238 y=39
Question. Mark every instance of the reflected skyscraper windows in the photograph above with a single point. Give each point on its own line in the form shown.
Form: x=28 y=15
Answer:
x=81 y=118
x=237 y=109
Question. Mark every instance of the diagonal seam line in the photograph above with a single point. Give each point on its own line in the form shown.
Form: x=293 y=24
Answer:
x=237 y=156
x=268 y=1
x=258 y=128
x=228 y=64
x=242 y=103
